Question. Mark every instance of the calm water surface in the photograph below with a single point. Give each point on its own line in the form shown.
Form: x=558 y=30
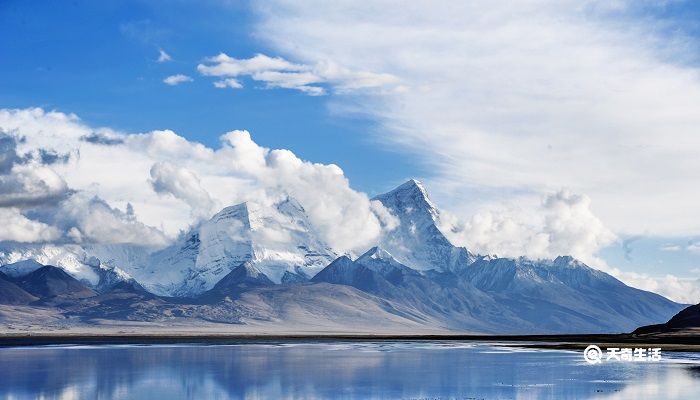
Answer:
x=335 y=370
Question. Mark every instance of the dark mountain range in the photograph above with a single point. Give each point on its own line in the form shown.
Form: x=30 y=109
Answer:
x=48 y=282
x=10 y=293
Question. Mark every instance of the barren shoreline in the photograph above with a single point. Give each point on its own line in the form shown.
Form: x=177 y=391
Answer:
x=686 y=341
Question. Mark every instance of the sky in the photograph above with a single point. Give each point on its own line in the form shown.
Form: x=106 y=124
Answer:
x=539 y=127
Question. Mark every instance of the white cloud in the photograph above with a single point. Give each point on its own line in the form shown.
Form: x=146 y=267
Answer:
x=24 y=179
x=276 y=72
x=677 y=289
x=30 y=184
x=174 y=80
x=388 y=220
x=92 y=220
x=505 y=99
x=563 y=224
x=230 y=83
x=200 y=180
x=694 y=247
x=16 y=227
x=670 y=247
x=163 y=56
x=182 y=184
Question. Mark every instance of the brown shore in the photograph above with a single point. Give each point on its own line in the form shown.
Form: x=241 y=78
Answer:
x=686 y=340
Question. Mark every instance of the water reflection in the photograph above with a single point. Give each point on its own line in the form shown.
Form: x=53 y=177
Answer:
x=323 y=370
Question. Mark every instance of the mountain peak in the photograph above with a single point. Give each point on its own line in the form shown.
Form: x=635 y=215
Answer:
x=273 y=238
x=410 y=196
x=290 y=205
x=412 y=183
x=20 y=268
x=418 y=242
x=415 y=184
x=239 y=211
x=567 y=261
x=50 y=281
x=376 y=253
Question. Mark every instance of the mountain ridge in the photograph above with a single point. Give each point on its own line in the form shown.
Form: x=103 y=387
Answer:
x=251 y=250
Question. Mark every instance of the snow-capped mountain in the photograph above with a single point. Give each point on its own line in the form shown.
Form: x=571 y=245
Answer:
x=565 y=295
x=249 y=252
x=380 y=261
x=277 y=240
x=418 y=242
x=454 y=304
x=91 y=263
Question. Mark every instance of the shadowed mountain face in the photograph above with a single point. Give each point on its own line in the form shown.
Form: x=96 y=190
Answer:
x=48 y=281
x=506 y=295
x=688 y=318
x=243 y=277
x=343 y=271
x=20 y=268
x=457 y=306
x=565 y=295
x=10 y=293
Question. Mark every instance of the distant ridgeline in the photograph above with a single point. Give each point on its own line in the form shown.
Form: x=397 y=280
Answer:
x=228 y=270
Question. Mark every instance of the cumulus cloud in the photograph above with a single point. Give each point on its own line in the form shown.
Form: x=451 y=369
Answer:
x=8 y=153
x=388 y=220
x=101 y=138
x=276 y=72
x=174 y=80
x=92 y=220
x=18 y=228
x=563 y=224
x=27 y=185
x=183 y=184
x=25 y=180
x=163 y=56
x=571 y=225
x=171 y=182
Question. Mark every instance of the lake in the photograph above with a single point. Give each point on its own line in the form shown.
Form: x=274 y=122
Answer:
x=346 y=370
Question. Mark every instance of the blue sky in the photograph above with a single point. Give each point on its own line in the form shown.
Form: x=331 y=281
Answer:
x=582 y=115
x=99 y=61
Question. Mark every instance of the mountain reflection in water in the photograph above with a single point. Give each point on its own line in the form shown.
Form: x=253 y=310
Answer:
x=333 y=370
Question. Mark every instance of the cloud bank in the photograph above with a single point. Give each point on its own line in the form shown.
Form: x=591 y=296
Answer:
x=562 y=224
x=167 y=183
x=164 y=184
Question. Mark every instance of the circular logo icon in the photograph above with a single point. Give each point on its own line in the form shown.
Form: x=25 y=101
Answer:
x=593 y=354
